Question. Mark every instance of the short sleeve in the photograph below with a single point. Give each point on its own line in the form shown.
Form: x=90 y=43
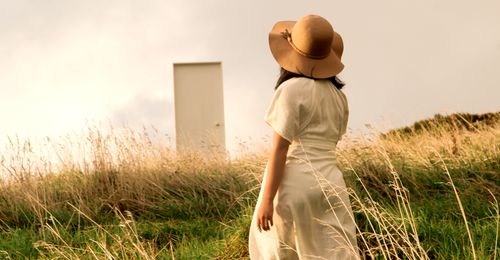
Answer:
x=283 y=112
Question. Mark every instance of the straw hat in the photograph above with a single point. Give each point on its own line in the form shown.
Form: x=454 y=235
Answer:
x=308 y=46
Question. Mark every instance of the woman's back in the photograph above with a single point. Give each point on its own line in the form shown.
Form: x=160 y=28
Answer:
x=317 y=112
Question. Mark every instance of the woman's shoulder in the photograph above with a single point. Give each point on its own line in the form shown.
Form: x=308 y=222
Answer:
x=298 y=85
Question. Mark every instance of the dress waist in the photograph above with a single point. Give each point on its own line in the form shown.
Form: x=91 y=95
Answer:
x=313 y=143
x=312 y=150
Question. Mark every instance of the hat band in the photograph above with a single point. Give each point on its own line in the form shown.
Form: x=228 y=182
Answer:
x=288 y=36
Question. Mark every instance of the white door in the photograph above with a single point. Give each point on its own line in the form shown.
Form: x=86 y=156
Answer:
x=199 y=107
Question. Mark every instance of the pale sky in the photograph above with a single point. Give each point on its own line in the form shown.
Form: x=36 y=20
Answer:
x=65 y=62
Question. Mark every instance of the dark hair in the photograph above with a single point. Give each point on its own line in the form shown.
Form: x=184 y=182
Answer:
x=286 y=75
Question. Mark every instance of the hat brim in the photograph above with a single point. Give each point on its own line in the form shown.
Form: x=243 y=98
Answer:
x=294 y=62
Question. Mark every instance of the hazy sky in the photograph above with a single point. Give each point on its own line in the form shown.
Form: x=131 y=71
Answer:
x=65 y=62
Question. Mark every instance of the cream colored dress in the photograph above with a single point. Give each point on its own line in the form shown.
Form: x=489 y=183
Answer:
x=312 y=212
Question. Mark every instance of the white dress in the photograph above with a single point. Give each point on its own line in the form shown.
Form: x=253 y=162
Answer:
x=312 y=212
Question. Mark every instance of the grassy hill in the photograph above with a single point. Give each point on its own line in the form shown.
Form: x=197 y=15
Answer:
x=416 y=194
x=456 y=121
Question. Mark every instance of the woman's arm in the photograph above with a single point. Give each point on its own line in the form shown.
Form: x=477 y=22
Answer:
x=276 y=169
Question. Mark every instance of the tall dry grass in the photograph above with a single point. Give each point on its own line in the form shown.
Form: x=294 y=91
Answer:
x=380 y=165
x=107 y=179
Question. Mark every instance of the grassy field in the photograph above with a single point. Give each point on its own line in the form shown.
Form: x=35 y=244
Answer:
x=423 y=192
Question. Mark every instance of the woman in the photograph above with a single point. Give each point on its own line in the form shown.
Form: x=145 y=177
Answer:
x=303 y=210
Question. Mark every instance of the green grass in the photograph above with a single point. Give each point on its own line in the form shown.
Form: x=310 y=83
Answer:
x=150 y=203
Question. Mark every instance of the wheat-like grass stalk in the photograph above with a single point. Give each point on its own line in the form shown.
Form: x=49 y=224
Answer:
x=462 y=211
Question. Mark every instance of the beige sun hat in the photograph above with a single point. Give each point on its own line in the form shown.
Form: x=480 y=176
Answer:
x=308 y=46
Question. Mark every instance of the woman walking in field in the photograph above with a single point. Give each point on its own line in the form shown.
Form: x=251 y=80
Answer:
x=303 y=210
